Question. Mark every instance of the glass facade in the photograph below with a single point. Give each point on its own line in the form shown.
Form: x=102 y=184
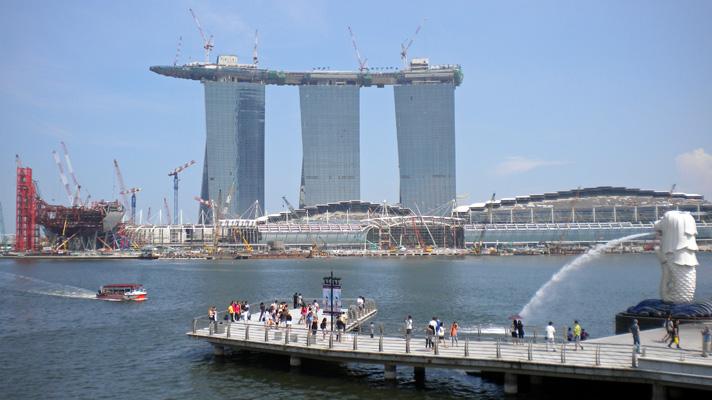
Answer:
x=425 y=125
x=330 y=144
x=233 y=169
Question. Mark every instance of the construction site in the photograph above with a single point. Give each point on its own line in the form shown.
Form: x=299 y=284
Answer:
x=330 y=218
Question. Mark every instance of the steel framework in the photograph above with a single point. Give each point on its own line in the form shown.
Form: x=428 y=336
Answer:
x=27 y=231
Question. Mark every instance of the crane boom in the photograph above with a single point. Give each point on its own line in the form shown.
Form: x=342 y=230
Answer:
x=405 y=48
x=168 y=210
x=122 y=186
x=77 y=195
x=207 y=42
x=62 y=177
x=255 y=60
x=361 y=61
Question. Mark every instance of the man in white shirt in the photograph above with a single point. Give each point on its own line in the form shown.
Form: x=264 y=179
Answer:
x=550 y=335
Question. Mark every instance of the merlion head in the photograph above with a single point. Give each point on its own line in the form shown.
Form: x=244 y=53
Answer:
x=677 y=256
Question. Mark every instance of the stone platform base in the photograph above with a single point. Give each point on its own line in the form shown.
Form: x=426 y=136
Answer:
x=624 y=321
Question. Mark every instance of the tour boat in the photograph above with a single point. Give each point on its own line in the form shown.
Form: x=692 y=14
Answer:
x=122 y=292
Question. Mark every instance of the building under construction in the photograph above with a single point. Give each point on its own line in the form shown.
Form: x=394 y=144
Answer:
x=87 y=226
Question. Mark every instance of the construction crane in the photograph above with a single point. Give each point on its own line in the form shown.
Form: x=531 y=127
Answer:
x=489 y=204
x=63 y=178
x=180 y=44
x=361 y=61
x=3 y=238
x=168 y=211
x=405 y=47
x=255 y=60
x=132 y=192
x=207 y=42
x=290 y=207
x=174 y=174
x=77 y=196
x=122 y=186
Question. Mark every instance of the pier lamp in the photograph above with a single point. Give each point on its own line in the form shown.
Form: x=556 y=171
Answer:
x=331 y=291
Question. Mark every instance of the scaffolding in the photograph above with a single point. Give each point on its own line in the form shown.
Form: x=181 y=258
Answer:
x=26 y=228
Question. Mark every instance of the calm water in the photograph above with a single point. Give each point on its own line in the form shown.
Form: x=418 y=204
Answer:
x=57 y=342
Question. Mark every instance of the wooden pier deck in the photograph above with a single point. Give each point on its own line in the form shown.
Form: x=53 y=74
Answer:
x=609 y=361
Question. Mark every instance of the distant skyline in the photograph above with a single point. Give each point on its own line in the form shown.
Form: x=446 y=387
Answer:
x=556 y=95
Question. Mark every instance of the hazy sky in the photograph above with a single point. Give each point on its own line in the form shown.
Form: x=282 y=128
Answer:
x=556 y=94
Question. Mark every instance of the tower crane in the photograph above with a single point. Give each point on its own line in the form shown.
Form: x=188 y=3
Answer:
x=174 y=174
x=405 y=47
x=361 y=61
x=207 y=42
x=290 y=207
x=132 y=192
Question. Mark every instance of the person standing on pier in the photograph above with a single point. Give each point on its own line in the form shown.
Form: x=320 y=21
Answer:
x=231 y=311
x=515 y=334
x=706 y=341
x=453 y=334
x=323 y=328
x=577 y=336
x=372 y=327
x=520 y=330
x=294 y=298
x=550 y=335
x=408 y=326
x=635 y=330
x=262 y=312
x=675 y=336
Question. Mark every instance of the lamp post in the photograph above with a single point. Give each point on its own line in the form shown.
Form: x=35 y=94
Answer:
x=330 y=283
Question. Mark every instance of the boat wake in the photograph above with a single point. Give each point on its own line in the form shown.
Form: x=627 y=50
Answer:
x=38 y=286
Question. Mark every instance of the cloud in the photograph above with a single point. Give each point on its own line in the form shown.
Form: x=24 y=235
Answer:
x=517 y=165
x=695 y=171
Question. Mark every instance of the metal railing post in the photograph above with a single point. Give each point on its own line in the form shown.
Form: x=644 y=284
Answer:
x=210 y=328
x=247 y=331
x=499 y=350
x=195 y=325
x=530 y=355
x=286 y=335
x=229 y=324
x=634 y=358
x=308 y=336
x=563 y=353
x=331 y=340
x=643 y=355
x=598 y=354
x=380 y=343
x=266 y=334
x=355 y=342
x=437 y=345
x=534 y=334
x=467 y=347
x=407 y=344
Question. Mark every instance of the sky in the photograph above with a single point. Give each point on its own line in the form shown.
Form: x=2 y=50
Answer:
x=556 y=94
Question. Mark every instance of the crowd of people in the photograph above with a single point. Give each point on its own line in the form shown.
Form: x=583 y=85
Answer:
x=278 y=314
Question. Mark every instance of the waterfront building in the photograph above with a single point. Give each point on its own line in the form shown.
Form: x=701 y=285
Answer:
x=233 y=168
x=330 y=144
x=425 y=124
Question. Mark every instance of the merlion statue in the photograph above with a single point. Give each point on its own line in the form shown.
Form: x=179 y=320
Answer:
x=677 y=256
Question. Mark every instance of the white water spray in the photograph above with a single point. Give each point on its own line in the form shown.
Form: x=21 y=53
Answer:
x=38 y=286
x=593 y=253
